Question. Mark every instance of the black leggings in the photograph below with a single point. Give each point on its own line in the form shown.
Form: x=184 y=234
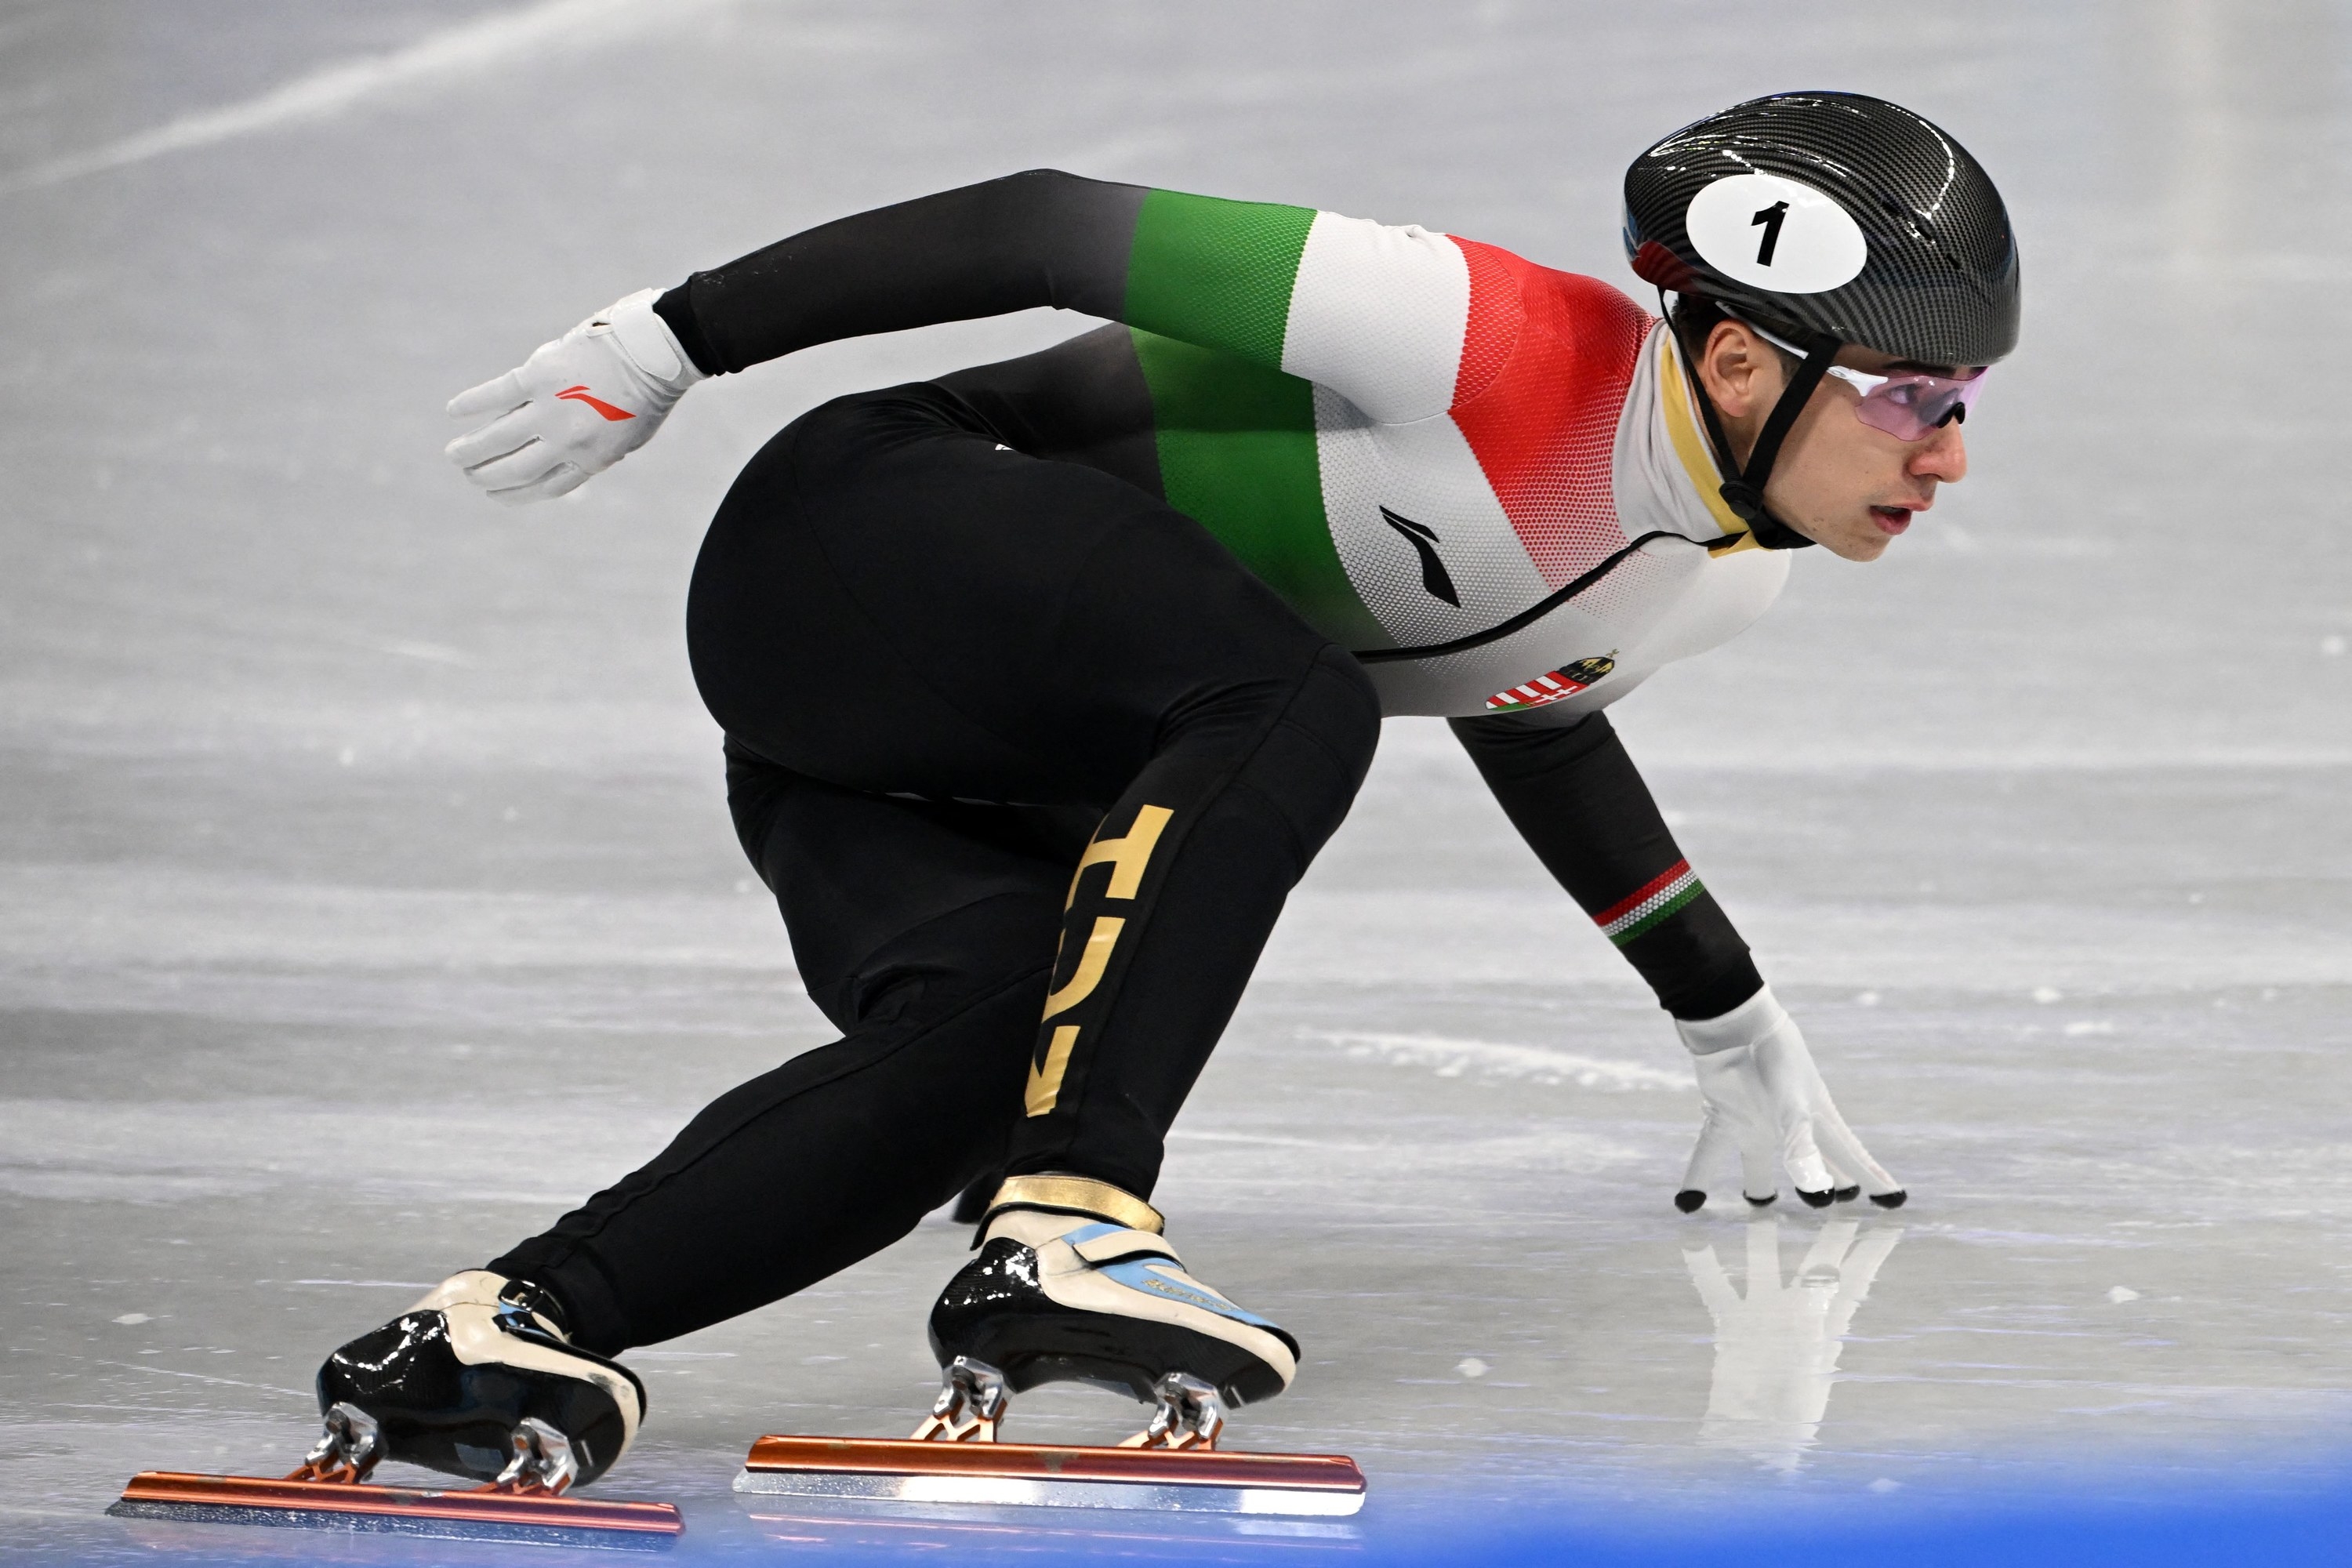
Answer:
x=951 y=675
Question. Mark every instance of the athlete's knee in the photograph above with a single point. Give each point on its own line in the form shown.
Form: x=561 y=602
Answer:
x=995 y=950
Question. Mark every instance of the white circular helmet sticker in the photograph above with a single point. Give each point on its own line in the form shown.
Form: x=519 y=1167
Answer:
x=1773 y=233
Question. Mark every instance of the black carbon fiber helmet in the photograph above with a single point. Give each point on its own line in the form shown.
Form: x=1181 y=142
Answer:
x=1838 y=220
x=1841 y=216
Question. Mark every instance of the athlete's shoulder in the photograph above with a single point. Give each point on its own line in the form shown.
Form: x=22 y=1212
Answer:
x=1517 y=304
x=1565 y=298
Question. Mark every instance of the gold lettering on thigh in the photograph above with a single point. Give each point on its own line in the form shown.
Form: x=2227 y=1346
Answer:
x=1045 y=1082
x=1126 y=857
x=1092 y=962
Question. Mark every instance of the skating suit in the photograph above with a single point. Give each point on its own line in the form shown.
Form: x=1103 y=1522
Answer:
x=1421 y=442
x=1044 y=681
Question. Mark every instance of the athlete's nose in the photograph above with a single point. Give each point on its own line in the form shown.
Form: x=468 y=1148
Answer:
x=1942 y=455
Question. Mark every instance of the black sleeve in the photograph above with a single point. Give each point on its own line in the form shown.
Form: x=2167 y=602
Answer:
x=1578 y=800
x=1042 y=237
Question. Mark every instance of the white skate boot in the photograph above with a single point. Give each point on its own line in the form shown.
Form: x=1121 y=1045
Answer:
x=478 y=1379
x=1074 y=1281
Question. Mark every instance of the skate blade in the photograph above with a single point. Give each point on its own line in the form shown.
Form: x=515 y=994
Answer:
x=1190 y=1480
x=399 y=1511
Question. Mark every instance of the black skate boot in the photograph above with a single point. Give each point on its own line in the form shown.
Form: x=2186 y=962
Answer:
x=1074 y=1282
x=478 y=1379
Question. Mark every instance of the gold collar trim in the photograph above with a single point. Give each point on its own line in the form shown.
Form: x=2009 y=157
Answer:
x=1691 y=447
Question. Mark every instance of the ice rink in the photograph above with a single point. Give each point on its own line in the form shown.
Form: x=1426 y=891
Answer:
x=370 y=895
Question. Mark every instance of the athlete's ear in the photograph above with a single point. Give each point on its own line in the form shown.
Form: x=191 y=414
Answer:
x=1739 y=369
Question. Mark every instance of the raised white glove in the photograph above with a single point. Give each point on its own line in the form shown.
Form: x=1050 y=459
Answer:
x=576 y=406
x=1765 y=1098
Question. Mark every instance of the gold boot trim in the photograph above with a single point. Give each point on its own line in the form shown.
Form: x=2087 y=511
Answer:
x=1073 y=1194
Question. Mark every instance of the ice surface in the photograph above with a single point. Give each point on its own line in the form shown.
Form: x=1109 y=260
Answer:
x=367 y=895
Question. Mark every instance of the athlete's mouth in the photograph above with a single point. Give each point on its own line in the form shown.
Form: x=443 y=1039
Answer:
x=1891 y=520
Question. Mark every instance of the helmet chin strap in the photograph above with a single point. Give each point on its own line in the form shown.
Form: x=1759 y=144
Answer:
x=1743 y=491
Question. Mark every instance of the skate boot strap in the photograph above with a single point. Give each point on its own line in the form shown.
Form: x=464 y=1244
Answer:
x=1101 y=1245
x=481 y=1288
x=1082 y=1196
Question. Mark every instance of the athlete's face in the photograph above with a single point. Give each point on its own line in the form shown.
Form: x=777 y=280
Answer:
x=1844 y=485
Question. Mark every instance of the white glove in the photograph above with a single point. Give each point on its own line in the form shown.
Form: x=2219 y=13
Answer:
x=576 y=406
x=1765 y=1098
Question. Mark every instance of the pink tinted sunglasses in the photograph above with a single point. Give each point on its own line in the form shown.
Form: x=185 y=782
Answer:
x=1908 y=405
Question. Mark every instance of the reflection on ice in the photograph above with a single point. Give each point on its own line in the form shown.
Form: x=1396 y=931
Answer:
x=851 y=1526
x=1776 y=1347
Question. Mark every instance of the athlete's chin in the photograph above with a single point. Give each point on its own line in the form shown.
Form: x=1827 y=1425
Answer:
x=1866 y=542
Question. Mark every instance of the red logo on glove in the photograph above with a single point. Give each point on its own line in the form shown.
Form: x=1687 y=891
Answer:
x=581 y=394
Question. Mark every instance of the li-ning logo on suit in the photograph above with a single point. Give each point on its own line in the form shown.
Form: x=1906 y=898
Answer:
x=1424 y=540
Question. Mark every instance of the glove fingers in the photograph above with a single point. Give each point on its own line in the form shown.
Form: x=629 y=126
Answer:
x=1791 y=1086
x=507 y=433
x=493 y=396
x=1843 y=1147
x=1850 y=1164
x=1710 y=1158
x=516 y=469
x=1735 y=1101
x=560 y=481
x=1807 y=1171
x=1759 y=1162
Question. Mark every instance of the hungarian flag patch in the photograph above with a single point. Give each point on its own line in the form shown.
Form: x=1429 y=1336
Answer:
x=1561 y=684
